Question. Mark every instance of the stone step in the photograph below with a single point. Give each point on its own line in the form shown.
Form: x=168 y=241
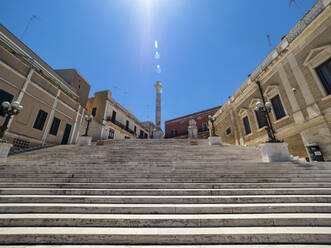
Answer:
x=165 y=199
x=42 y=161
x=160 y=169
x=172 y=246
x=165 y=192
x=165 y=208
x=166 y=180
x=178 y=165
x=173 y=176
x=164 y=186
x=220 y=235
x=164 y=220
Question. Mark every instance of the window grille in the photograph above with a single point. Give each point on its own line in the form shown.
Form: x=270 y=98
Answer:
x=20 y=144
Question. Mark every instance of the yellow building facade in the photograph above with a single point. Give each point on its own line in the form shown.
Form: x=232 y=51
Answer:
x=296 y=79
x=111 y=120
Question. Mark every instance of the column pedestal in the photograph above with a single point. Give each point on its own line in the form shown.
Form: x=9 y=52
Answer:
x=84 y=141
x=4 y=150
x=275 y=152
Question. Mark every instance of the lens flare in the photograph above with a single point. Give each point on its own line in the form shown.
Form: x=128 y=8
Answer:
x=158 y=69
x=157 y=55
x=156 y=44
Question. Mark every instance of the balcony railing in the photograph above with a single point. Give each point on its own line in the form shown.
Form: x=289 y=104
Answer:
x=120 y=124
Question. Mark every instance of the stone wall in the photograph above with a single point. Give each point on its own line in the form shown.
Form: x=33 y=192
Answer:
x=181 y=124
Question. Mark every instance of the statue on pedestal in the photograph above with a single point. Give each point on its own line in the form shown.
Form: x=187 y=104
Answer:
x=192 y=130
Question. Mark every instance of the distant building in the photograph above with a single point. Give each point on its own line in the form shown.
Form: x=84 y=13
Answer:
x=150 y=126
x=53 y=107
x=296 y=79
x=111 y=120
x=76 y=80
x=177 y=128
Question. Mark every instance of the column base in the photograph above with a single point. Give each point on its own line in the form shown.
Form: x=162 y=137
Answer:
x=4 y=150
x=157 y=133
x=84 y=141
x=215 y=141
x=275 y=152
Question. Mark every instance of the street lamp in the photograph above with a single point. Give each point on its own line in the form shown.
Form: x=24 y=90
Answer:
x=265 y=108
x=212 y=120
x=9 y=110
x=88 y=118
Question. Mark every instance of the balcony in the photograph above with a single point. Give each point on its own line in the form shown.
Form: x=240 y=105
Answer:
x=120 y=124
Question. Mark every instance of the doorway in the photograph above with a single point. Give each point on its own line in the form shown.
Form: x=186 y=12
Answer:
x=66 y=134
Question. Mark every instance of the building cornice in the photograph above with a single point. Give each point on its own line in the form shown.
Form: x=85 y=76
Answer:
x=319 y=13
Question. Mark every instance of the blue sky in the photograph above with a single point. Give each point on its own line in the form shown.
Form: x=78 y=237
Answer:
x=207 y=47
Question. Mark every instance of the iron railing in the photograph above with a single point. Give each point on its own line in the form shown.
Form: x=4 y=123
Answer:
x=120 y=124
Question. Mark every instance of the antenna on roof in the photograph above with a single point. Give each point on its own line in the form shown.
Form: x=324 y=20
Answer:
x=293 y=2
x=28 y=25
x=269 y=41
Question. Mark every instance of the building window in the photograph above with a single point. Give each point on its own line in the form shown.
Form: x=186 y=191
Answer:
x=228 y=131
x=4 y=97
x=204 y=127
x=141 y=135
x=113 y=117
x=261 y=120
x=324 y=73
x=174 y=133
x=40 y=120
x=127 y=125
x=94 y=111
x=55 y=126
x=278 y=107
x=246 y=125
x=111 y=134
x=135 y=130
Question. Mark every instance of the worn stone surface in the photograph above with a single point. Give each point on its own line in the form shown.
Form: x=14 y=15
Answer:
x=275 y=152
x=214 y=140
x=162 y=192
x=4 y=150
x=84 y=141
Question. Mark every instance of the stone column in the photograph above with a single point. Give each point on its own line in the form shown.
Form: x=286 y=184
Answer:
x=75 y=125
x=22 y=92
x=158 y=88
x=50 y=119
x=312 y=108
x=157 y=132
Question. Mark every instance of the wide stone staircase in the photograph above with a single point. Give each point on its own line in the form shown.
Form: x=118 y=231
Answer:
x=162 y=193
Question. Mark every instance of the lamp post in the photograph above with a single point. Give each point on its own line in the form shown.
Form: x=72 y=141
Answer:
x=212 y=120
x=265 y=108
x=9 y=110
x=88 y=118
